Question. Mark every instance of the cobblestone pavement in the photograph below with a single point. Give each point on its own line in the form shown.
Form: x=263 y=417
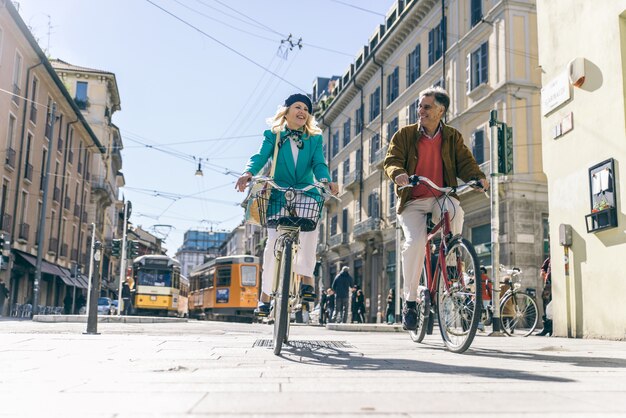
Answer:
x=225 y=369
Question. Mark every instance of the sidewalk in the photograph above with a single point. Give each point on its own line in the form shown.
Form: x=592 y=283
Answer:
x=202 y=368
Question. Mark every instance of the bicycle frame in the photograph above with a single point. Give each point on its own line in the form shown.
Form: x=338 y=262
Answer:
x=442 y=228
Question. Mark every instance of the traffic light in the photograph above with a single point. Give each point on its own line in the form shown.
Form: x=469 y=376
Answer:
x=505 y=149
x=133 y=249
x=116 y=247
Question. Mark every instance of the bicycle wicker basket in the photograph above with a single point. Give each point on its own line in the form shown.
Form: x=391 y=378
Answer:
x=294 y=208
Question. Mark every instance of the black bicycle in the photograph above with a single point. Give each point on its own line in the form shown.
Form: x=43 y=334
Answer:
x=290 y=211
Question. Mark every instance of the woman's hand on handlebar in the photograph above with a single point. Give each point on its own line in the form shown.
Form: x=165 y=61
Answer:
x=243 y=181
x=334 y=188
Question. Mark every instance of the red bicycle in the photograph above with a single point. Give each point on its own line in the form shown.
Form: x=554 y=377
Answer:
x=450 y=283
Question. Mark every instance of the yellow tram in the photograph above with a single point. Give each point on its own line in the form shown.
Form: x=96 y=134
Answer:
x=158 y=284
x=225 y=288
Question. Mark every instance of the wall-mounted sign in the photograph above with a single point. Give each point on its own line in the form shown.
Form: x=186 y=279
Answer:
x=555 y=93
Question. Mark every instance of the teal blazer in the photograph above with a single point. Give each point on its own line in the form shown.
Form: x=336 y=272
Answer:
x=311 y=164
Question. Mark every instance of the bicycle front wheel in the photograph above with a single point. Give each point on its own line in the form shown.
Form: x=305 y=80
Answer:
x=281 y=299
x=459 y=300
x=518 y=312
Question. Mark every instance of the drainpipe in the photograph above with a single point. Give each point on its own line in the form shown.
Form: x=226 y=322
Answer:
x=22 y=135
x=379 y=280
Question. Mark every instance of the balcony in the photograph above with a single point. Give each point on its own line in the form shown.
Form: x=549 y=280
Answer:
x=7 y=221
x=376 y=161
x=338 y=239
x=24 y=231
x=10 y=157
x=53 y=245
x=366 y=229
x=103 y=190
x=351 y=179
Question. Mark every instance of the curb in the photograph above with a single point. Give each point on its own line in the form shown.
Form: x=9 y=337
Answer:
x=365 y=327
x=107 y=319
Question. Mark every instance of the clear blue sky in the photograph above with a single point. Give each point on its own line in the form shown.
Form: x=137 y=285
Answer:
x=187 y=96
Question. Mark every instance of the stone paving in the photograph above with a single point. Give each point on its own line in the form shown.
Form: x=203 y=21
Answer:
x=200 y=368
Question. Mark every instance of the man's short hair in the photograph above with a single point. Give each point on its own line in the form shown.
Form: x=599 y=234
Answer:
x=345 y=269
x=442 y=98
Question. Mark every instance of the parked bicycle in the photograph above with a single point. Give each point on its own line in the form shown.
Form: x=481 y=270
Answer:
x=290 y=211
x=450 y=284
x=518 y=310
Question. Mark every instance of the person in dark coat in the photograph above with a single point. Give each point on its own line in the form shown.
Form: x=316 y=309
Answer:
x=390 y=314
x=358 y=310
x=330 y=305
x=323 y=303
x=127 y=299
x=546 y=296
x=341 y=286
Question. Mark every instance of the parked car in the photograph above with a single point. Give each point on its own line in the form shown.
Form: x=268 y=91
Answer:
x=105 y=306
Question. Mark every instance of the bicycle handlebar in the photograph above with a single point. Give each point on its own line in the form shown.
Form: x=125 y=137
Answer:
x=415 y=180
x=322 y=187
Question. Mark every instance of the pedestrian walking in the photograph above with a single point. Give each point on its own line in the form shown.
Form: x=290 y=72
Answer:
x=546 y=296
x=4 y=294
x=323 y=303
x=341 y=286
x=390 y=314
x=127 y=299
x=360 y=307
x=330 y=305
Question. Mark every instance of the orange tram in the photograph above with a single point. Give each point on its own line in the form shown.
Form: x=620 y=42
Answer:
x=225 y=288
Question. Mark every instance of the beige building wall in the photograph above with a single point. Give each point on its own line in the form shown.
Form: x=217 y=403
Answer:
x=588 y=301
x=364 y=238
x=28 y=134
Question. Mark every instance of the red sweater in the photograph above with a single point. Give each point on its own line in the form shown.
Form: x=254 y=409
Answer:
x=429 y=164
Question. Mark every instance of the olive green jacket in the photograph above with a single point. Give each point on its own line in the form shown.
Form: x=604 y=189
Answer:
x=401 y=158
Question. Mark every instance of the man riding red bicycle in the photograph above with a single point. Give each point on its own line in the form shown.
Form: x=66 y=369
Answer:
x=435 y=150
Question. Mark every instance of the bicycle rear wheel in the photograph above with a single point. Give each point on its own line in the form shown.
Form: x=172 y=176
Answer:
x=423 y=309
x=459 y=304
x=281 y=300
x=518 y=312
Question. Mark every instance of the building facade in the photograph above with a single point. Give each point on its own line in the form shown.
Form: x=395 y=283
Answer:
x=584 y=146
x=484 y=53
x=96 y=95
x=198 y=246
x=50 y=152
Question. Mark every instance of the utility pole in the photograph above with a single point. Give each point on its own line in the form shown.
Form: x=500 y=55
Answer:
x=92 y=312
x=93 y=240
x=127 y=209
x=42 y=215
x=495 y=225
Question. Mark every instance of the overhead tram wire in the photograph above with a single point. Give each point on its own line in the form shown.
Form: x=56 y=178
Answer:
x=225 y=46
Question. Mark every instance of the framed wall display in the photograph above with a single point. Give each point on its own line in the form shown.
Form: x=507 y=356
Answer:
x=602 y=197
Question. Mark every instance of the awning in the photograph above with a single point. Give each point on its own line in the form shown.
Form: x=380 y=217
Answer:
x=49 y=268
x=82 y=281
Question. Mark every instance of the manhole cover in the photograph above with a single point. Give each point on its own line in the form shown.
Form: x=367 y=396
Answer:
x=266 y=343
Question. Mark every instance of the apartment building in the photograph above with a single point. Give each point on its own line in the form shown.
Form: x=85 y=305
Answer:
x=97 y=96
x=584 y=148
x=50 y=151
x=484 y=53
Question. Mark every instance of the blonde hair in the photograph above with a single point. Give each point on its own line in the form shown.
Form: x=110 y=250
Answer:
x=278 y=122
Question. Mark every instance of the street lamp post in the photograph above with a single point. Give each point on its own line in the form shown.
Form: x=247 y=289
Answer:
x=127 y=209
x=94 y=280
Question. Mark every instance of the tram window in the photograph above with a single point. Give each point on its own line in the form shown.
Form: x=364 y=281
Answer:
x=152 y=277
x=248 y=275
x=223 y=276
